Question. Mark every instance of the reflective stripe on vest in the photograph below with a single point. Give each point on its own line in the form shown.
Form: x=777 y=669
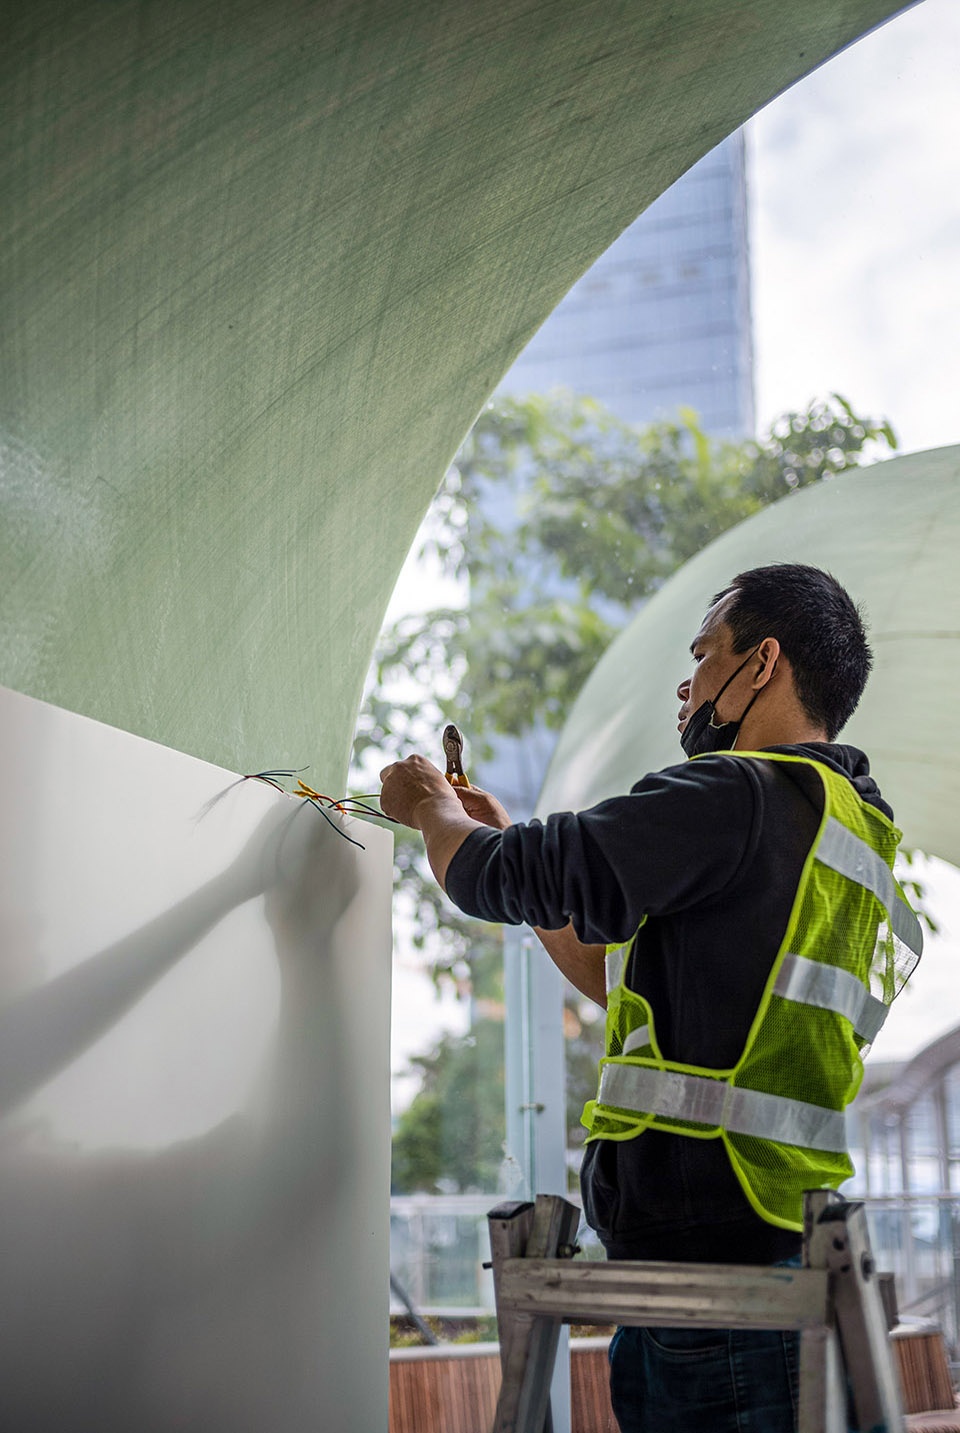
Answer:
x=810 y=982
x=845 y=853
x=614 y=964
x=674 y=1095
x=637 y=1039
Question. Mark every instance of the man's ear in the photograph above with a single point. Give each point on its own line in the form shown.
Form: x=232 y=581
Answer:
x=768 y=655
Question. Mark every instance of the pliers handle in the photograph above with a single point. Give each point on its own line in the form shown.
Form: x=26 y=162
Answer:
x=453 y=751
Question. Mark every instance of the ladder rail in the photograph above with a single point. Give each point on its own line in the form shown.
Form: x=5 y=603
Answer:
x=528 y=1342
x=836 y=1237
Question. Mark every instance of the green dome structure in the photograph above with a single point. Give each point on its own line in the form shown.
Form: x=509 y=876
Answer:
x=262 y=263
x=890 y=533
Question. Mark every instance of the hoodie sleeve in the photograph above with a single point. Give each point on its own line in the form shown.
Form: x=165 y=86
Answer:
x=680 y=837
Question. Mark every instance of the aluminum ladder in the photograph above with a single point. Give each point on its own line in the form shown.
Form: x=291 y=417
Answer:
x=841 y=1307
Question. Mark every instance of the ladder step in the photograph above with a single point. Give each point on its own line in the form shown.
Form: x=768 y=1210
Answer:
x=681 y=1295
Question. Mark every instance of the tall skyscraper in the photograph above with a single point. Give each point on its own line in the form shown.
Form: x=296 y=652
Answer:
x=661 y=321
x=663 y=317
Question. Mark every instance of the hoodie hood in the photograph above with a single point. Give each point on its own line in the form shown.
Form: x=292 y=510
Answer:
x=850 y=761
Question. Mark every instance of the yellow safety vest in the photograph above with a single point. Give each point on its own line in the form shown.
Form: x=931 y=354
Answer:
x=851 y=942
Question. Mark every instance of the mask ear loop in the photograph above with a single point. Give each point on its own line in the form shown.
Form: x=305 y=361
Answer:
x=744 y=717
x=730 y=679
x=752 y=699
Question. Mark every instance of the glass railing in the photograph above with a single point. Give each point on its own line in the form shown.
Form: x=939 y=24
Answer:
x=439 y=1245
x=917 y=1238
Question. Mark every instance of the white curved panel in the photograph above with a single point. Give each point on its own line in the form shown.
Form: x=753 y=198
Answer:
x=194 y=1142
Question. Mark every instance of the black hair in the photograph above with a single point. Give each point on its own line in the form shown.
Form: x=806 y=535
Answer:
x=820 y=631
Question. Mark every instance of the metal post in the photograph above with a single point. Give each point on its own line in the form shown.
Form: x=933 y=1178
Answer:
x=535 y=1078
x=943 y=1136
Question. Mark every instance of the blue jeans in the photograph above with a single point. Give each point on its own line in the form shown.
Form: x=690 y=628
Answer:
x=671 y=1380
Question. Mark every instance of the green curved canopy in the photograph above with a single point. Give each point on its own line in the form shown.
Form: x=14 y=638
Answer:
x=263 y=261
x=891 y=534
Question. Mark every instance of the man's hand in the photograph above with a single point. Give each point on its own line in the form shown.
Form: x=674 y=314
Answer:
x=409 y=783
x=483 y=807
x=418 y=795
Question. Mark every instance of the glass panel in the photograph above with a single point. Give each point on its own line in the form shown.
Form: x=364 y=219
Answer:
x=923 y=1146
x=449 y=1164
x=886 y=1175
x=951 y=1085
x=439 y=1245
x=916 y=1239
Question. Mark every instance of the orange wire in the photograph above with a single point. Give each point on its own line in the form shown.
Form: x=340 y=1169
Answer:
x=308 y=792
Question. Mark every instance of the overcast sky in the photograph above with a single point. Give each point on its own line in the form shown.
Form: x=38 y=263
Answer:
x=855 y=209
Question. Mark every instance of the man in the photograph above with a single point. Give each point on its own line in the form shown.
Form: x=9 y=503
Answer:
x=720 y=913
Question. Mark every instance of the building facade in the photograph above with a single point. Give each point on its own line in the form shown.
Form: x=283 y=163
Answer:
x=660 y=322
x=662 y=319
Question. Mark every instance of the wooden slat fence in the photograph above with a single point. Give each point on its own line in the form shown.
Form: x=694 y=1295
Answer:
x=453 y=1388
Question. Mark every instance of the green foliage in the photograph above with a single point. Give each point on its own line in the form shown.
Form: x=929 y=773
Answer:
x=464 y=1330
x=914 y=887
x=620 y=527
x=450 y=1138
x=598 y=516
x=592 y=516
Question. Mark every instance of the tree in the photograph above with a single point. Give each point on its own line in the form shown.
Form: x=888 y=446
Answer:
x=603 y=513
x=450 y=1138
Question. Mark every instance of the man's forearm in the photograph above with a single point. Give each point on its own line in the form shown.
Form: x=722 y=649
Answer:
x=415 y=793
x=583 y=965
x=444 y=826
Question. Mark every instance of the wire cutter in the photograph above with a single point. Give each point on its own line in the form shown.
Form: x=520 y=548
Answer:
x=453 y=751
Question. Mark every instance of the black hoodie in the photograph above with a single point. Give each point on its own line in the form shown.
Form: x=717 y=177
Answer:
x=710 y=851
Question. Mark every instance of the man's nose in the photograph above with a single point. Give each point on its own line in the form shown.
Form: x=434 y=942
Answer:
x=683 y=691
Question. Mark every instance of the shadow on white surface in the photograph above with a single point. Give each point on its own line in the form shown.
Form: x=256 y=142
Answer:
x=194 y=1072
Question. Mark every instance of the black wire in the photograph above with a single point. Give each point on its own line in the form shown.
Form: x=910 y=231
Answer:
x=349 y=805
x=332 y=823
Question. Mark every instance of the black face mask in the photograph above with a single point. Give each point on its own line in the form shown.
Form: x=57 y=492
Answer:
x=702 y=734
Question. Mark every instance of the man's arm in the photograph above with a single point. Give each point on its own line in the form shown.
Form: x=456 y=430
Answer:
x=417 y=794
x=583 y=965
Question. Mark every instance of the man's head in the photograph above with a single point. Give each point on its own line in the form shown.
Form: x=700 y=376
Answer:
x=820 y=631
x=781 y=649
x=788 y=622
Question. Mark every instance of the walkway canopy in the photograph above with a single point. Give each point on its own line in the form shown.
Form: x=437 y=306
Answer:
x=262 y=263
x=891 y=534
